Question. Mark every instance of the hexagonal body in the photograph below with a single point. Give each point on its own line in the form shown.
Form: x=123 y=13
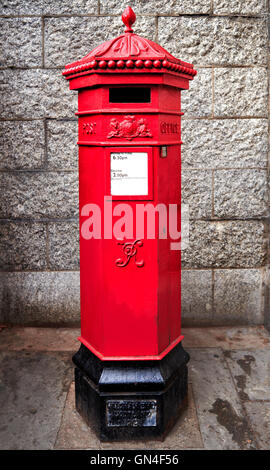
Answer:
x=130 y=312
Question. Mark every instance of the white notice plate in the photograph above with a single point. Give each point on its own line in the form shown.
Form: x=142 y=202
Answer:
x=129 y=174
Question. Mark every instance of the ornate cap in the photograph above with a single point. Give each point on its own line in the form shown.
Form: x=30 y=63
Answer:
x=129 y=51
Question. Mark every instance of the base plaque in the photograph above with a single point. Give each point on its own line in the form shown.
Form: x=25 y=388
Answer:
x=131 y=399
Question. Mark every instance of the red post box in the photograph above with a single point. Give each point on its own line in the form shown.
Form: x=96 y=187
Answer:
x=131 y=373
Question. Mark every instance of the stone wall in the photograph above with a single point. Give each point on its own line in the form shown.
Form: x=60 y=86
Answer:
x=225 y=134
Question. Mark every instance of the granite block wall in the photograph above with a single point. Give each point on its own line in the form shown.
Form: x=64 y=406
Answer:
x=224 y=161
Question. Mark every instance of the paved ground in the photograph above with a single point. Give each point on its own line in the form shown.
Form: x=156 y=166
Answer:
x=229 y=392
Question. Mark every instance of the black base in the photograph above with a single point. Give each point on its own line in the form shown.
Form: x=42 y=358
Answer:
x=131 y=399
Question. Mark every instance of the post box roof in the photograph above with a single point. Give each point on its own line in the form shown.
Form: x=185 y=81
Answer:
x=129 y=53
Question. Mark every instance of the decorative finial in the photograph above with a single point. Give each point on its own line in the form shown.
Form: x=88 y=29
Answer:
x=128 y=18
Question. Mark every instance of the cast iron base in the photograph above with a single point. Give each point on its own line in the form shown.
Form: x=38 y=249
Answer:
x=131 y=399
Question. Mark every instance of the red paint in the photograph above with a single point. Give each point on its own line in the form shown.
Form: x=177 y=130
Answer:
x=130 y=292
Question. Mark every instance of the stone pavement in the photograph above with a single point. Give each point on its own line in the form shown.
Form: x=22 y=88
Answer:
x=229 y=392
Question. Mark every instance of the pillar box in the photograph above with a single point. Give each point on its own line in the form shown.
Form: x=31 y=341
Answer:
x=131 y=372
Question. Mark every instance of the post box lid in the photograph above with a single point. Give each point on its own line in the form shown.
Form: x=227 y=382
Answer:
x=129 y=53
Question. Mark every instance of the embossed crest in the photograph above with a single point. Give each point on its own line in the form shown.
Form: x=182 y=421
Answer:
x=129 y=128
